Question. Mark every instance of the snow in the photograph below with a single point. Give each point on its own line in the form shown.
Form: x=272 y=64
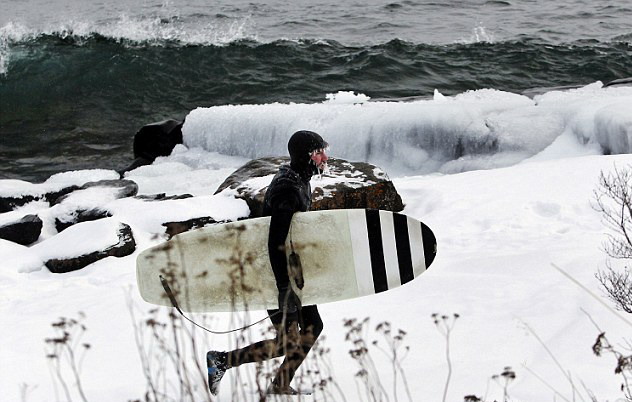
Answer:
x=498 y=232
x=149 y=216
x=55 y=183
x=17 y=258
x=29 y=209
x=80 y=239
x=187 y=170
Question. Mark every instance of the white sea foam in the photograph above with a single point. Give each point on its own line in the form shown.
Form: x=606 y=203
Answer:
x=10 y=33
x=479 y=34
x=154 y=29
x=474 y=130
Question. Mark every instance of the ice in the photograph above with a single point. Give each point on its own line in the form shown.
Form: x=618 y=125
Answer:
x=481 y=129
x=346 y=97
x=595 y=115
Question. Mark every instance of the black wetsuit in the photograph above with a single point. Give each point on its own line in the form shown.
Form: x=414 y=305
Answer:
x=288 y=193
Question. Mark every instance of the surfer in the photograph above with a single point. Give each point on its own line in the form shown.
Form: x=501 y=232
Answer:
x=297 y=327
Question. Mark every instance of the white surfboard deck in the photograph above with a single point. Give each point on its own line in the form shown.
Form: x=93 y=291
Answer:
x=345 y=253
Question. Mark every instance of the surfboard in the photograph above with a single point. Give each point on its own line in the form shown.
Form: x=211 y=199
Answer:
x=345 y=253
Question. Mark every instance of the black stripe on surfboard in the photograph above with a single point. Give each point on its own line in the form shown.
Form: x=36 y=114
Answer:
x=378 y=266
x=402 y=244
x=430 y=244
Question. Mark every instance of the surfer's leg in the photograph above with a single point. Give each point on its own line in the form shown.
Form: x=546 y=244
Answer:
x=311 y=327
x=262 y=350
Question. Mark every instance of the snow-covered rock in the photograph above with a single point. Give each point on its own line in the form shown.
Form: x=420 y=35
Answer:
x=16 y=193
x=87 y=202
x=24 y=231
x=86 y=243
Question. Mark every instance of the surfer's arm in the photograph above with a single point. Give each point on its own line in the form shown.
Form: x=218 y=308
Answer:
x=279 y=228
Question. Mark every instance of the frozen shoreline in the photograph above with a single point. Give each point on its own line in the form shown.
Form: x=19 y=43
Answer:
x=497 y=230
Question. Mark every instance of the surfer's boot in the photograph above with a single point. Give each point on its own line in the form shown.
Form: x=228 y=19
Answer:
x=216 y=364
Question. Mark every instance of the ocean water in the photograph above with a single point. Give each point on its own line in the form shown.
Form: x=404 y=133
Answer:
x=77 y=79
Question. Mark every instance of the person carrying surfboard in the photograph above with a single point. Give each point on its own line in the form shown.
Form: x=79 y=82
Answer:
x=297 y=327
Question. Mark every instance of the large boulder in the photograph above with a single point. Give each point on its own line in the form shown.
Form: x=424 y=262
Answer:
x=86 y=243
x=23 y=231
x=346 y=185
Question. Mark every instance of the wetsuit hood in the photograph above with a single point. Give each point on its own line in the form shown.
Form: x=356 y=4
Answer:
x=300 y=146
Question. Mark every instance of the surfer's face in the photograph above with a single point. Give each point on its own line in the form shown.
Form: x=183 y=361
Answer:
x=320 y=158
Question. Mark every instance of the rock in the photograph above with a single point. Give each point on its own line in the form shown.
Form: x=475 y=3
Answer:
x=25 y=231
x=154 y=140
x=126 y=188
x=347 y=185
x=253 y=194
x=53 y=191
x=174 y=228
x=54 y=196
x=86 y=202
x=162 y=197
x=80 y=216
x=126 y=245
x=9 y=203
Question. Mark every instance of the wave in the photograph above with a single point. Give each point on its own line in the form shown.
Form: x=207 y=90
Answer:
x=474 y=130
x=142 y=30
x=80 y=91
x=479 y=63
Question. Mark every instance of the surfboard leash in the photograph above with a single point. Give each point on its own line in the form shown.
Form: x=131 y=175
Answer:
x=174 y=303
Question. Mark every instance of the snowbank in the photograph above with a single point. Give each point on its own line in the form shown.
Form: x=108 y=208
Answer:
x=497 y=230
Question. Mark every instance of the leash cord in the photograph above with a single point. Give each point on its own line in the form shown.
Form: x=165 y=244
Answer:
x=174 y=303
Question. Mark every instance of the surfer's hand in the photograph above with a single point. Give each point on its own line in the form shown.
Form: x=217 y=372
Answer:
x=289 y=303
x=295 y=269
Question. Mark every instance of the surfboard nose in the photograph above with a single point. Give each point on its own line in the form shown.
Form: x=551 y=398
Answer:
x=430 y=244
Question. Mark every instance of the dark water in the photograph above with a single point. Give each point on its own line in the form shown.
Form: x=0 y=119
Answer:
x=74 y=89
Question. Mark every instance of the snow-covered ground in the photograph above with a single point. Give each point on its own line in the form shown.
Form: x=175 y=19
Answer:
x=498 y=232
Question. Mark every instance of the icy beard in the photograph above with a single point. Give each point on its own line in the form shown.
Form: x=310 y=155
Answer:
x=324 y=168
